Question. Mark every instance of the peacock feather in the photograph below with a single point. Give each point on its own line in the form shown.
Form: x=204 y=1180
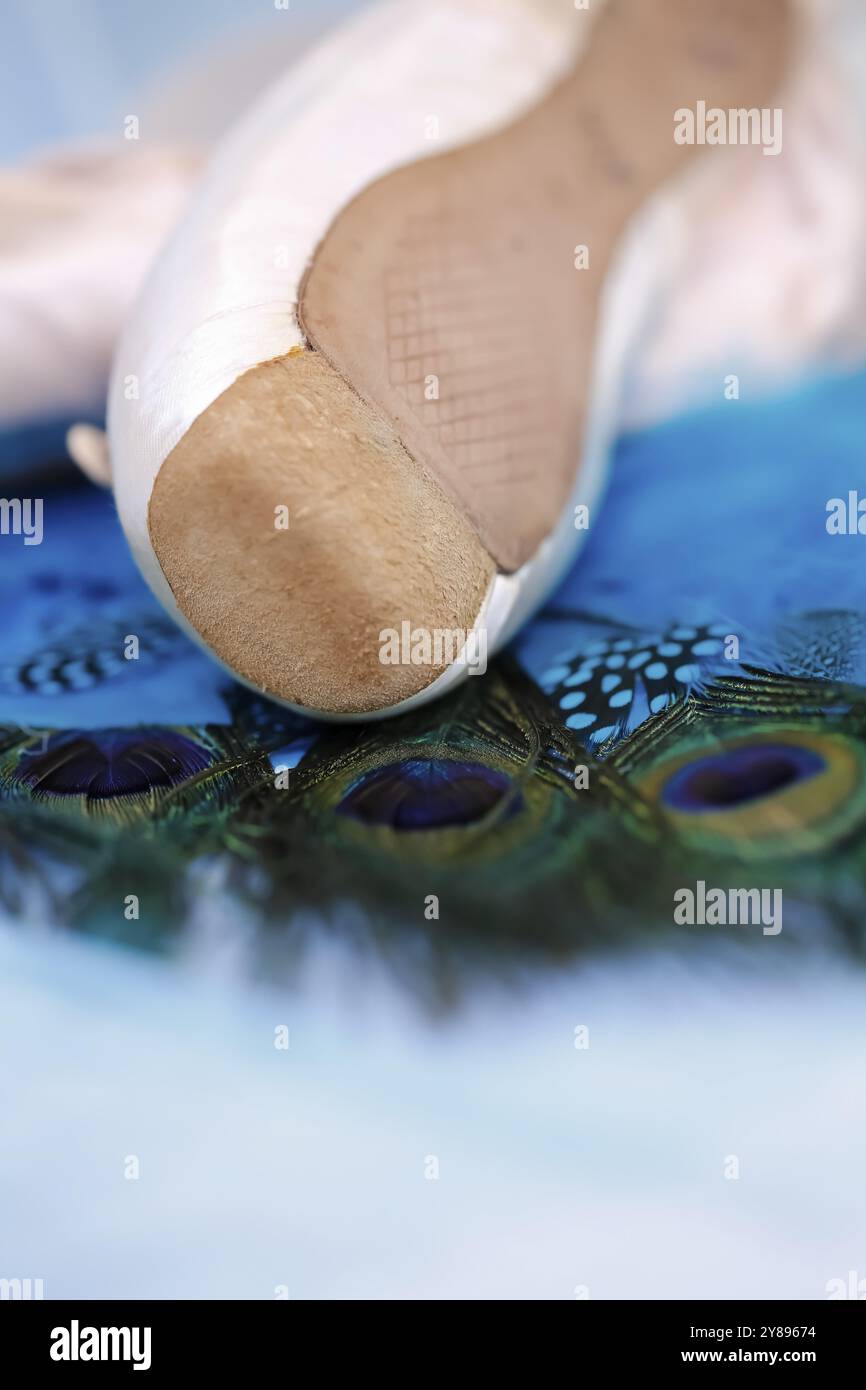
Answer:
x=533 y=846
x=690 y=705
x=129 y=775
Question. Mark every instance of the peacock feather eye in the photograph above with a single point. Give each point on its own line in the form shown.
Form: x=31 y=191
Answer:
x=128 y=774
x=740 y=776
x=437 y=801
x=430 y=794
x=102 y=765
x=781 y=791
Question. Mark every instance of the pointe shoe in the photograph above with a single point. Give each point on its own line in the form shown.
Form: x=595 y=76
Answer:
x=368 y=388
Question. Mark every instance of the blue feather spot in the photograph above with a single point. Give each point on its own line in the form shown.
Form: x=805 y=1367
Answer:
x=684 y=634
x=669 y=649
x=657 y=671
x=554 y=675
x=687 y=675
x=613 y=663
x=571 y=701
x=706 y=648
x=610 y=683
x=638 y=660
x=622 y=697
x=658 y=702
x=580 y=721
x=580 y=677
x=78 y=676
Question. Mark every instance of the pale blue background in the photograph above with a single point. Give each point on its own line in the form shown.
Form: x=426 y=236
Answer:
x=72 y=71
